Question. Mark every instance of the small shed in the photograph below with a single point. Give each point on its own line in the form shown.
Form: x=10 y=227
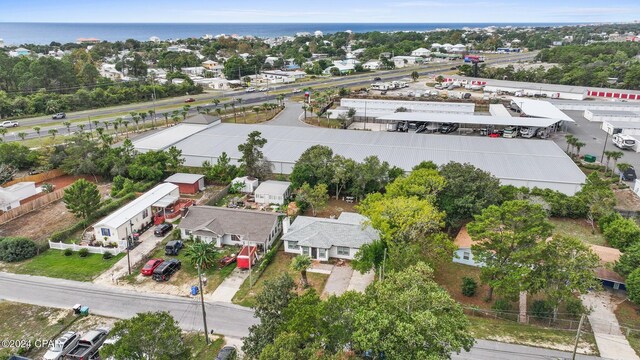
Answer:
x=247 y=257
x=187 y=183
x=249 y=184
x=273 y=192
x=608 y=256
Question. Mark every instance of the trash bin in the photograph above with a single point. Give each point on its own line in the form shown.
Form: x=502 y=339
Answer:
x=84 y=310
x=194 y=290
x=589 y=158
x=76 y=309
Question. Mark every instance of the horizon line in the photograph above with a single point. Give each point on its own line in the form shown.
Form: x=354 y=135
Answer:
x=316 y=22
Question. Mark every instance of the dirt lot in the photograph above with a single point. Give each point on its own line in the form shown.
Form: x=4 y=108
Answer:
x=627 y=200
x=334 y=207
x=39 y=224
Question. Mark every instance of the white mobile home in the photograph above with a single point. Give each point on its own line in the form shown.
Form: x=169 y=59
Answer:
x=273 y=192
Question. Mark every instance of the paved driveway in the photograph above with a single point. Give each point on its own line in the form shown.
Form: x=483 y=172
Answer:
x=229 y=287
x=290 y=116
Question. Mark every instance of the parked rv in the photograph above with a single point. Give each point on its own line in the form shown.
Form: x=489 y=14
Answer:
x=623 y=141
x=528 y=132
x=510 y=132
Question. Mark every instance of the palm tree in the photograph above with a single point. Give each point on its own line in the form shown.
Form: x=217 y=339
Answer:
x=22 y=135
x=256 y=110
x=616 y=155
x=136 y=119
x=579 y=145
x=216 y=102
x=152 y=115
x=225 y=105
x=186 y=107
x=68 y=125
x=53 y=133
x=201 y=254
x=143 y=117
x=126 y=126
x=3 y=132
x=37 y=130
x=184 y=114
x=176 y=119
x=95 y=123
x=218 y=112
x=569 y=139
x=117 y=123
x=302 y=263
x=607 y=155
x=280 y=99
x=81 y=127
x=166 y=118
x=199 y=109
x=106 y=124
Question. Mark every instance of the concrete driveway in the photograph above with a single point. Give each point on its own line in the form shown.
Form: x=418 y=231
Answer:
x=289 y=116
x=229 y=287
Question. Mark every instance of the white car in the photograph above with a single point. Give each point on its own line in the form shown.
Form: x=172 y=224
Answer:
x=295 y=91
x=250 y=89
x=8 y=124
x=62 y=345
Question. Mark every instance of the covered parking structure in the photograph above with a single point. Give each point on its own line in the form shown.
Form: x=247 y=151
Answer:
x=517 y=162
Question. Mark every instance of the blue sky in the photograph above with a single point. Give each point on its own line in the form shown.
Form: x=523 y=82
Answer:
x=282 y=11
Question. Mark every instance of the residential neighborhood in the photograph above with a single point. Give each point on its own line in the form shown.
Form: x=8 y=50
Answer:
x=306 y=190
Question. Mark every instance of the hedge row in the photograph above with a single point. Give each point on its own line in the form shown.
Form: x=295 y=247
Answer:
x=107 y=207
x=14 y=249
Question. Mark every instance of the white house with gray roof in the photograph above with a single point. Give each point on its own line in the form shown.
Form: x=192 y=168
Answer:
x=322 y=238
x=224 y=226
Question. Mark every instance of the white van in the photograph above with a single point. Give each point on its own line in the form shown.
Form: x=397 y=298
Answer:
x=623 y=141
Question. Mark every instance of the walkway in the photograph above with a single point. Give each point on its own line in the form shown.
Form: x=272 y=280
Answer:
x=148 y=242
x=229 y=286
x=342 y=279
x=612 y=344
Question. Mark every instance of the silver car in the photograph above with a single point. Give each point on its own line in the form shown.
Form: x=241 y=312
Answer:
x=62 y=345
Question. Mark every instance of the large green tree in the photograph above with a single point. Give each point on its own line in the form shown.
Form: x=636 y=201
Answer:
x=468 y=190
x=147 y=336
x=316 y=197
x=424 y=184
x=509 y=240
x=82 y=198
x=630 y=260
x=313 y=167
x=622 y=233
x=252 y=158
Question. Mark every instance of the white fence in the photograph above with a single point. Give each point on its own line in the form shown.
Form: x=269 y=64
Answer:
x=92 y=249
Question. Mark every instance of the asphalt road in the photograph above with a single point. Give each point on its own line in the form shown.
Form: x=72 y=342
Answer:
x=247 y=98
x=226 y=319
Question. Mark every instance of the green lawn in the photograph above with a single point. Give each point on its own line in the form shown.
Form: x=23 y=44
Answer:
x=628 y=315
x=578 y=228
x=512 y=332
x=53 y=263
x=199 y=348
x=246 y=296
x=188 y=273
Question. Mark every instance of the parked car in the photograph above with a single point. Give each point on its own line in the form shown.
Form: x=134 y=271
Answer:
x=147 y=269
x=162 y=229
x=447 y=128
x=377 y=79
x=173 y=247
x=188 y=100
x=62 y=345
x=8 y=124
x=466 y=96
x=88 y=345
x=59 y=115
x=250 y=89
x=263 y=89
x=227 y=353
x=295 y=91
x=438 y=87
x=166 y=269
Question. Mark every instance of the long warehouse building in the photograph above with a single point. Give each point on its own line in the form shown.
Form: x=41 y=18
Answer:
x=529 y=163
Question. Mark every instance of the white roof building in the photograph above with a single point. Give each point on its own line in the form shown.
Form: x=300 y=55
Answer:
x=421 y=52
x=273 y=192
x=11 y=196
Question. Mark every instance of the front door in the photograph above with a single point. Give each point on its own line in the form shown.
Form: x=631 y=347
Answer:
x=314 y=253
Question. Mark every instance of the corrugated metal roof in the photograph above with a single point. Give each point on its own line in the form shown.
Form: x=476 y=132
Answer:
x=184 y=178
x=623 y=124
x=540 y=108
x=514 y=159
x=135 y=207
x=620 y=113
x=167 y=137
x=273 y=187
x=470 y=119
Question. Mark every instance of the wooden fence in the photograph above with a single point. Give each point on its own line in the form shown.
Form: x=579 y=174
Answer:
x=31 y=206
x=37 y=178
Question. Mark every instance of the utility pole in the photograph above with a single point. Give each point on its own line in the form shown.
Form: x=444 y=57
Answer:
x=575 y=347
x=604 y=148
x=204 y=313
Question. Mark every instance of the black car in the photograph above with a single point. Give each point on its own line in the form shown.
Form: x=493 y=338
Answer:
x=377 y=79
x=448 y=128
x=227 y=353
x=162 y=229
x=173 y=247
x=59 y=115
x=164 y=271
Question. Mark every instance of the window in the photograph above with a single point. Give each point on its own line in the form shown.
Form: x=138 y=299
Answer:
x=466 y=255
x=145 y=213
x=292 y=245
x=187 y=232
x=343 y=250
x=235 y=237
x=305 y=250
x=322 y=253
x=105 y=232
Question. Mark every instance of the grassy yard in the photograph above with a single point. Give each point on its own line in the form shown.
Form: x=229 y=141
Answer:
x=199 y=348
x=512 y=332
x=628 y=315
x=22 y=321
x=53 y=263
x=578 y=228
x=188 y=273
x=450 y=275
x=246 y=296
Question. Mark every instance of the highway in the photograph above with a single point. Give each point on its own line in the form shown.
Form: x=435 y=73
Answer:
x=229 y=320
x=363 y=80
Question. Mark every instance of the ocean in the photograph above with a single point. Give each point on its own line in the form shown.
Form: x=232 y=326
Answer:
x=45 y=33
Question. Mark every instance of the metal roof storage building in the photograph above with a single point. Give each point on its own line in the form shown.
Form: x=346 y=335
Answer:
x=530 y=163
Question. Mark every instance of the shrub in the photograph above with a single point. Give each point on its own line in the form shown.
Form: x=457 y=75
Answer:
x=107 y=255
x=633 y=286
x=67 y=252
x=541 y=309
x=502 y=305
x=606 y=220
x=574 y=307
x=629 y=261
x=622 y=233
x=469 y=286
x=17 y=249
x=83 y=252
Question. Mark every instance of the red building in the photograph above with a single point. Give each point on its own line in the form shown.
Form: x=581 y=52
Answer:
x=187 y=183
